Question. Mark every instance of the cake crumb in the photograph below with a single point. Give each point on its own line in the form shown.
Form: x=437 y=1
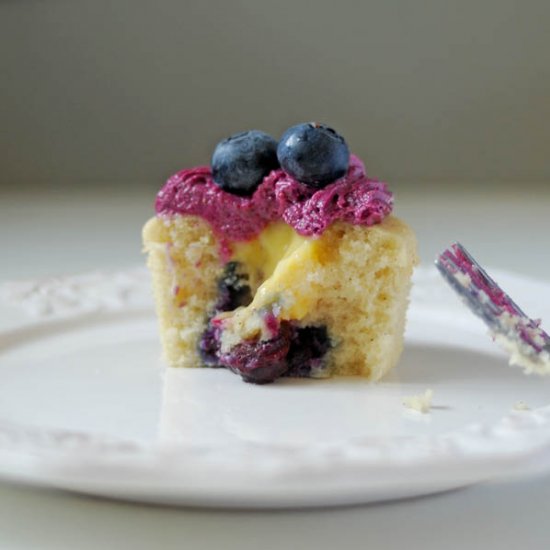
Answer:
x=521 y=406
x=522 y=353
x=421 y=403
x=463 y=278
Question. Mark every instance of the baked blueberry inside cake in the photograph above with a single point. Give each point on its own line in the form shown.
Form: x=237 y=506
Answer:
x=280 y=259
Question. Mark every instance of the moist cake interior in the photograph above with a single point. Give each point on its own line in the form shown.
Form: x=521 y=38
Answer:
x=343 y=295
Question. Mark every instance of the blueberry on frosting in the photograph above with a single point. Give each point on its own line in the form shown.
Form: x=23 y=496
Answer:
x=313 y=154
x=241 y=161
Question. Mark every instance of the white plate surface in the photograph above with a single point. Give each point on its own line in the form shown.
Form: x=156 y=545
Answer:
x=86 y=405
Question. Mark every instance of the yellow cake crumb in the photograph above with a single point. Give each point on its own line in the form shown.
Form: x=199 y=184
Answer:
x=521 y=406
x=421 y=403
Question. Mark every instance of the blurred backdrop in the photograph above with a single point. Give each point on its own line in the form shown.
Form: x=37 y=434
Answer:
x=125 y=92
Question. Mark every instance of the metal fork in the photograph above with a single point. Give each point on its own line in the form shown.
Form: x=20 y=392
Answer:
x=523 y=338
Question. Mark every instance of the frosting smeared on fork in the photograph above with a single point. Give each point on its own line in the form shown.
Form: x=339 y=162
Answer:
x=521 y=336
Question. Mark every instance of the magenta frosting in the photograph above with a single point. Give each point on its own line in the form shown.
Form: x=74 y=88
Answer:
x=354 y=198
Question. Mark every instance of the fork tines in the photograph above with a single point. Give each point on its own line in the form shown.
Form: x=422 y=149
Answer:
x=522 y=337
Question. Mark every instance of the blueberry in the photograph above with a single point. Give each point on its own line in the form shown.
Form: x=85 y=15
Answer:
x=293 y=351
x=209 y=346
x=233 y=291
x=260 y=361
x=308 y=348
x=233 y=288
x=240 y=162
x=313 y=154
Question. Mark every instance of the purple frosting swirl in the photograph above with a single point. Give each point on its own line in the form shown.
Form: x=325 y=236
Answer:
x=354 y=198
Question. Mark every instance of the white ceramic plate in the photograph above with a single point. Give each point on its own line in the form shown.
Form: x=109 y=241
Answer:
x=86 y=405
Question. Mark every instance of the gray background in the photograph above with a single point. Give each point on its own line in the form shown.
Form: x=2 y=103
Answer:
x=125 y=92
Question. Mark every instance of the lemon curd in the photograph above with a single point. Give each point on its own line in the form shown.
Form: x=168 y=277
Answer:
x=277 y=263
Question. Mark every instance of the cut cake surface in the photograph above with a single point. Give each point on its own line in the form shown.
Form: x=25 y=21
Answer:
x=352 y=280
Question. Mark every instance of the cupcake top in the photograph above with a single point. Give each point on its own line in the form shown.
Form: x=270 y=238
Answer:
x=308 y=179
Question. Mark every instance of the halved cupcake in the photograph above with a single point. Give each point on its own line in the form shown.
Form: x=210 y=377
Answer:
x=281 y=259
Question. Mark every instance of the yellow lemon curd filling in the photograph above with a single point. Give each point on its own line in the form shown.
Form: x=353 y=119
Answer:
x=278 y=263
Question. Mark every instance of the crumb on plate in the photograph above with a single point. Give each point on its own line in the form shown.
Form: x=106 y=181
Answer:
x=421 y=403
x=521 y=406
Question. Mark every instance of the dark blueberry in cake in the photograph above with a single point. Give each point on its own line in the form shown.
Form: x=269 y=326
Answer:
x=233 y=291
x=313 y=154
x=308 y=348
x=233 y=288
x=209 y=346
x=293 y=351
x=260 y=361
x=296 y=352
x=241 y=161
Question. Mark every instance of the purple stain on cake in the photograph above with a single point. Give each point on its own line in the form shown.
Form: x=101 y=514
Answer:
x=271 y=323
x=354 y=198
